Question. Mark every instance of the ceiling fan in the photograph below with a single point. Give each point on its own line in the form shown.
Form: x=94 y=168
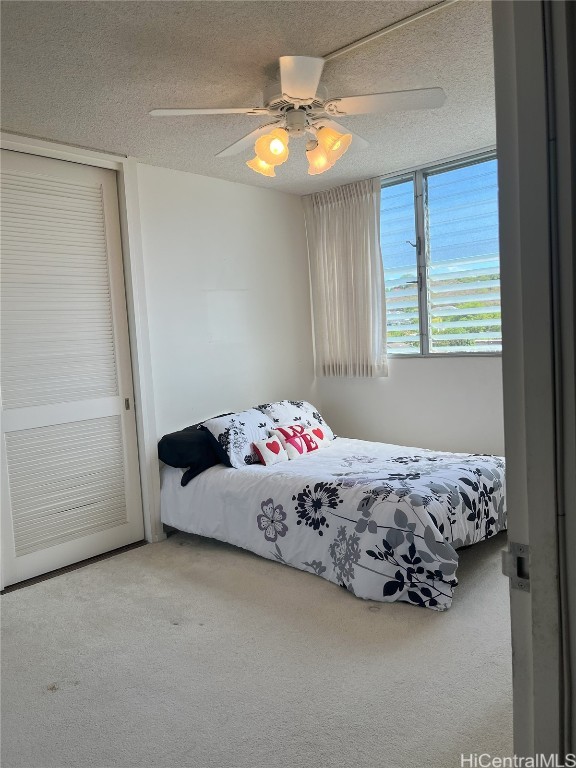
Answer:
x=300 y=106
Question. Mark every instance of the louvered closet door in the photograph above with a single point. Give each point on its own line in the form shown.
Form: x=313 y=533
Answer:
x=70 y=477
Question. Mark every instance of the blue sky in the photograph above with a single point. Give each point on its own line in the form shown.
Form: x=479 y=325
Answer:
x=463 y=216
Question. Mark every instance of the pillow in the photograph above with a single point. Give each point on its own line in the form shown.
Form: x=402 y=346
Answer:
x=290 y=430
x=236 y=434
x=270 y=450
x=300 y=444
x=190 y=448
x=320 y=436
x=294 y=411
x=217 y=447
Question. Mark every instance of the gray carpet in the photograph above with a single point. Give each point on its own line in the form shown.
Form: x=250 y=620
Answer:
x=193 y=654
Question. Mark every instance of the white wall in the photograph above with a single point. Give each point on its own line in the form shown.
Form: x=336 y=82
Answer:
x=229 y=313
x=452 y=404
x=228 y=298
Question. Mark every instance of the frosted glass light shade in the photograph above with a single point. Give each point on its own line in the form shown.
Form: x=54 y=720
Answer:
x=260 y=166
x=318 y=160
x=273 y=147
x=334 y=143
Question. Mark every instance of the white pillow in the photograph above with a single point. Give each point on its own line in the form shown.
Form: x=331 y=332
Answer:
x=237 y=432
x=289 y=430
x=293 y=412
x=319 y=434
x=300 y=444
x=270 y=451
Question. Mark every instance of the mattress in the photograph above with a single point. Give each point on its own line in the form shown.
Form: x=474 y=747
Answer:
x=384 y=521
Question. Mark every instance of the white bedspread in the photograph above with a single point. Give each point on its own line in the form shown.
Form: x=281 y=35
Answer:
x=382 y=520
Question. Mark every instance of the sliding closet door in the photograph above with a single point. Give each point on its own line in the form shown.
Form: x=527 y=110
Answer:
x=70 y=482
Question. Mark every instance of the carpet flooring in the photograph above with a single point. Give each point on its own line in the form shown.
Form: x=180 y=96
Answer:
x=194 y=654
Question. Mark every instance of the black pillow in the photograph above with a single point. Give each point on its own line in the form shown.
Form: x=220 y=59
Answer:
x=185 y=447
x=192 y=448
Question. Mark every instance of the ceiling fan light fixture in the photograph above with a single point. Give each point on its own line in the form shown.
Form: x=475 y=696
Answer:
x=335 y=144
x=299 y=105
x=261 y=166
x=318 y=160
x=273 y=147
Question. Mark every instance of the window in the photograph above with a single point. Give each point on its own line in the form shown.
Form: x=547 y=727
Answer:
x=439 y=240
x=397 y=232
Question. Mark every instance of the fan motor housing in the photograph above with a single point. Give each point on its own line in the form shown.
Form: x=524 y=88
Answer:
x=296 y=121
x=273 y=98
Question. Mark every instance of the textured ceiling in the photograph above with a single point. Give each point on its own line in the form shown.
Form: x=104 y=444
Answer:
x=87 y=73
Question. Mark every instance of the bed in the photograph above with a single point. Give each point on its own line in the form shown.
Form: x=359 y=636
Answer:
x=383 y=521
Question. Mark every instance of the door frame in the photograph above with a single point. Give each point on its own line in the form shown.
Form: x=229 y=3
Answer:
x=532 y=75
x=126 y=169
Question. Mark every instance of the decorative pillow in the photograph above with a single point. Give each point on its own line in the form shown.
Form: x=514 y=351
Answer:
x=237 y=433
x=300 y=445
x=290 y=430
x=270 y=451
x=190 y=448
x=295 y=411
x=186 y=447
x=319 y=434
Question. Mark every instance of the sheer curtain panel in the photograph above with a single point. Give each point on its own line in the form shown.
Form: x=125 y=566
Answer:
x=347 y=279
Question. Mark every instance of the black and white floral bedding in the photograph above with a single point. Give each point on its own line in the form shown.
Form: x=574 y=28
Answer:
x=383 y=521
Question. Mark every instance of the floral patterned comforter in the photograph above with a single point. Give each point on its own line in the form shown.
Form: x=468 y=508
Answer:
x=383 y=521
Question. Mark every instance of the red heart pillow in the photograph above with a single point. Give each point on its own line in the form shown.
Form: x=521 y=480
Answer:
x=270 y=451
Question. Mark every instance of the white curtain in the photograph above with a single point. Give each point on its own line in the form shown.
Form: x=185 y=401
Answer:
x=347 y=278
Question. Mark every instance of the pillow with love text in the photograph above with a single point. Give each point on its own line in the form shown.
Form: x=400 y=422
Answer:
x=306 y=442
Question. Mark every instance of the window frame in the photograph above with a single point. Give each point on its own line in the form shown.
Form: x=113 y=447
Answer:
x=418 y=176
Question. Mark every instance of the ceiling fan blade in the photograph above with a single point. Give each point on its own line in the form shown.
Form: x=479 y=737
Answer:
x=300 y=76
x=246 y=141
x=229 y=111
x=359 y=142
x=396 y=101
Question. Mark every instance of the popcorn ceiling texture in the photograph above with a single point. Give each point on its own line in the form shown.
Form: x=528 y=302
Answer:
x=87 y=73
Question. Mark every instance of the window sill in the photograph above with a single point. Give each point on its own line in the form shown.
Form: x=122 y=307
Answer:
x=429 y=355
